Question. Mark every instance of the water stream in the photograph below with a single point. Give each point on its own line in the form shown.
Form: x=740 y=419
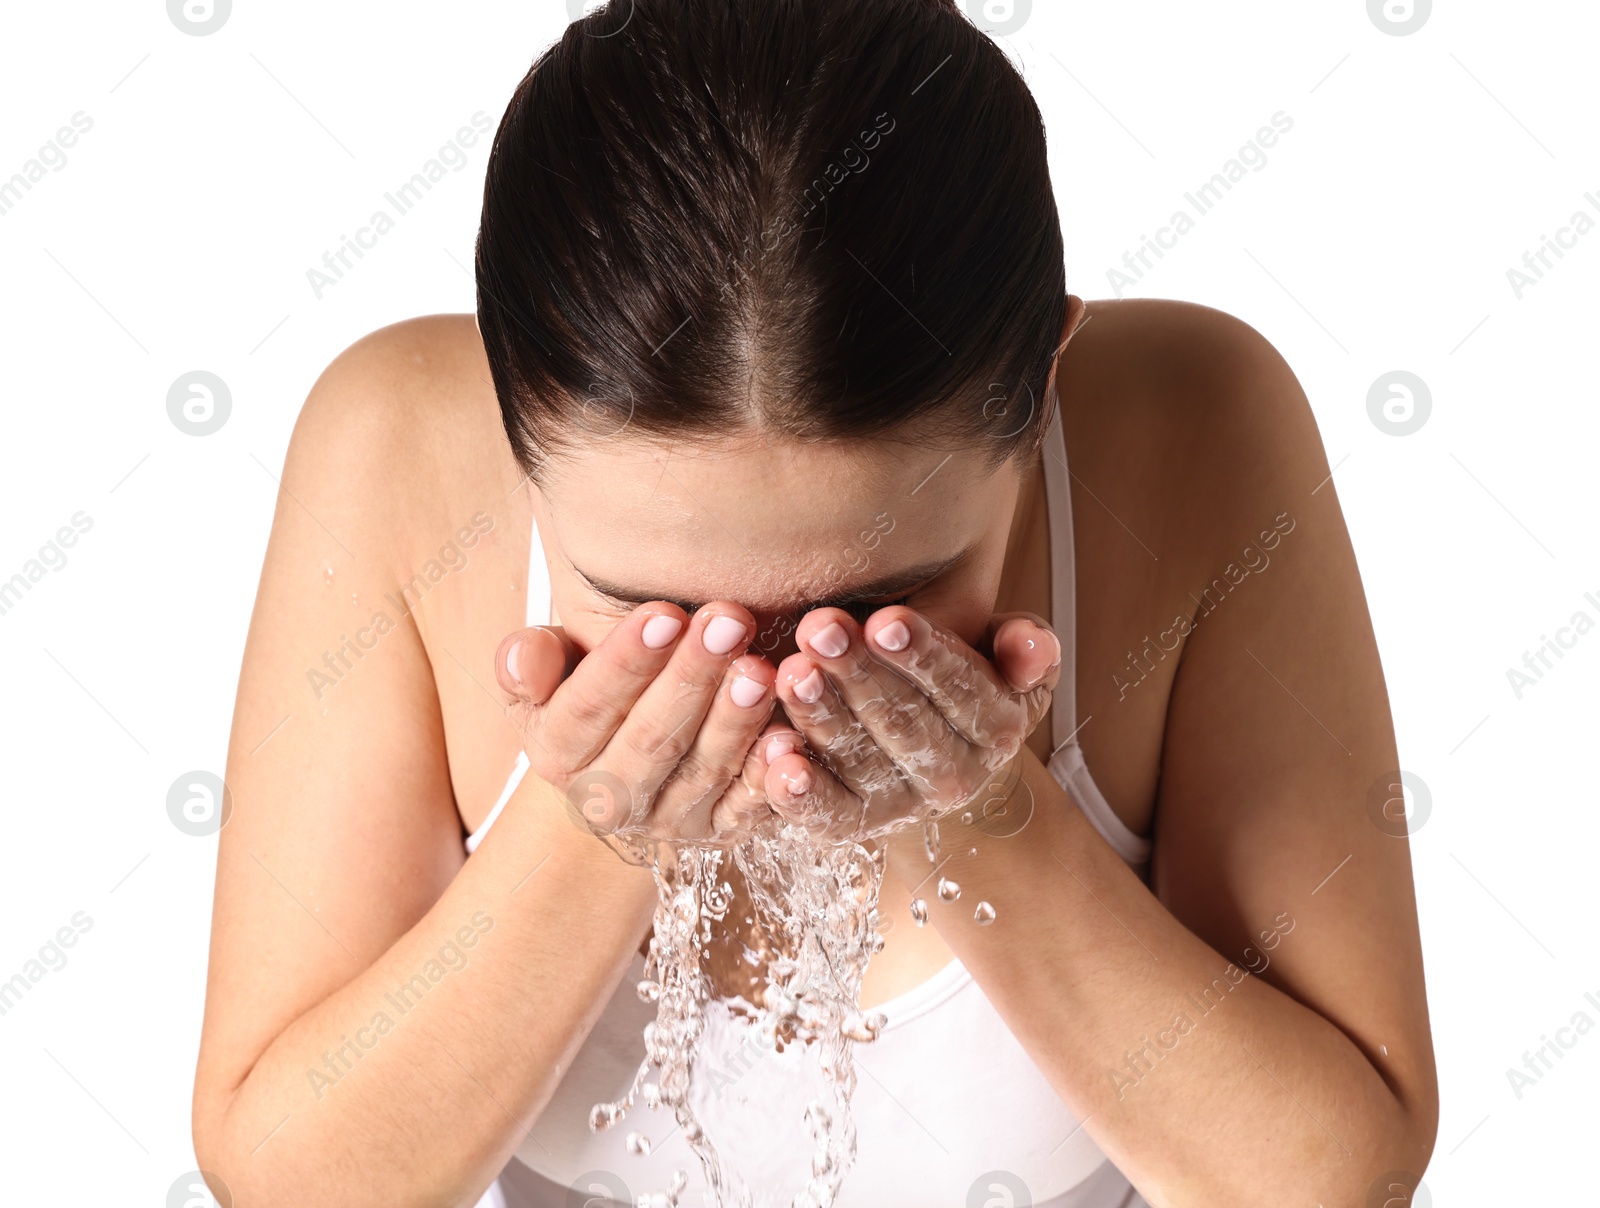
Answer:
x=811 y=927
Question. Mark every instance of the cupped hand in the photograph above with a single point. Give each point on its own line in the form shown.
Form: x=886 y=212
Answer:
x=652 y=735
x=905 y=720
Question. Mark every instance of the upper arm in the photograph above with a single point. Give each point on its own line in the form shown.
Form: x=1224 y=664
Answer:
x=343 y=829
x=1279 y=732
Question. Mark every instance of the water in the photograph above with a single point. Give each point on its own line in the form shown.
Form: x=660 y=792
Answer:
x=810 y=925
x=815 y=908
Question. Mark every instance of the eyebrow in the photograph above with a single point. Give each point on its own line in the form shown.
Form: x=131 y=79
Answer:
x=883 y=585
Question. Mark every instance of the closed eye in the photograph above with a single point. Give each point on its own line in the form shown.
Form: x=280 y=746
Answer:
x=860 y=610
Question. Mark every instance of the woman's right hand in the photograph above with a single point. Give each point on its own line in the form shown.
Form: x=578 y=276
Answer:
x=652 y=735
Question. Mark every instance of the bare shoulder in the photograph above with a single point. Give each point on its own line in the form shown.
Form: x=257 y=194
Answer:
x=401 y=455
x=1188 y=437
x=1184 y=403
x=399 y=443
x=414 y=395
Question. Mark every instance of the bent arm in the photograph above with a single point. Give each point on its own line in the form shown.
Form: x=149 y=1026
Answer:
x=385 y=1018
x=1252 y=1027
x=416 y=1081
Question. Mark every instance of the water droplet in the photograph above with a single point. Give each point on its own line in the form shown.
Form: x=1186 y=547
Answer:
x=949 y=891
x=650 y=1092
x=930 y=840
x=603 y=1115
x=817 y=1113
x=649 y=991
x=919 y=911
x=639 y=1144
x=984 y=914
x=863 y=1029
x=966 y=818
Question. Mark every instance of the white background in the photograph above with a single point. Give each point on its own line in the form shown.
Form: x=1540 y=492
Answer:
x=1419 y=169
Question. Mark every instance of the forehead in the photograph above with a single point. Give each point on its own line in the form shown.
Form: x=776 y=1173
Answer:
x=771 y=524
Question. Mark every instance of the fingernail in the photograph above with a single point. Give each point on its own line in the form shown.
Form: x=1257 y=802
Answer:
x=810 y=688
x=894 y=636
x=659 y=631
x=1048 y=642
x=512 y=657
x=830 y=642
x=800 y=782
x=723 y=634
x=746 y=691
x=778 y=746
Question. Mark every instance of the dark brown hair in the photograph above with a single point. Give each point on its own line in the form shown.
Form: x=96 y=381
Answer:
x=826 y=219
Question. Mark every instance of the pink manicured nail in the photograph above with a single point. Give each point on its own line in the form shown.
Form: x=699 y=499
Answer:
x=831 y=641
x=746 y=691
x=778 y=746
x=800 y=782
x=810 y=688
x=1048 y=642
x=723 y=634
x=511 y=661
x=894 y=636
x=659 y=631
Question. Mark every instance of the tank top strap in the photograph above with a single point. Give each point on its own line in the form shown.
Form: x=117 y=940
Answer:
x=1063 y=580
x=1066 y=755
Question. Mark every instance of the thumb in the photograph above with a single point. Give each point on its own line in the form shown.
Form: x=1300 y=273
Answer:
x=531 y=663
x=1024 y=650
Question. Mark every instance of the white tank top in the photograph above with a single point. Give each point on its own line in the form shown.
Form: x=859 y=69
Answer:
x=946 y=1094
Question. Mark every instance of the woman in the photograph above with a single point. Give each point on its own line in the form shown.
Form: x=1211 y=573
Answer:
x=759 y=452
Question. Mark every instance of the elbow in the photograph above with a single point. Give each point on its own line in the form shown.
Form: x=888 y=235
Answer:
x=1398 y=1152
x=208 y=1132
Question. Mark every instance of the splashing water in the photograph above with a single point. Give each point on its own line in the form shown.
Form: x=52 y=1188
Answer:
x=818 y=902
x=815 y=902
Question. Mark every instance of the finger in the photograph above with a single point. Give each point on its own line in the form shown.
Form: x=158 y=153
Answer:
x=1024 y=648
x=809 y=795
x=894 y=711
x=585 y=709
x=530 y=663
x=816 y=706
x=661 y=726
x=745 y=803
x=964 y=686
x=779 y=738
x=719 y=752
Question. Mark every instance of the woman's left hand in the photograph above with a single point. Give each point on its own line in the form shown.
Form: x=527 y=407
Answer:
x=906 y=718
